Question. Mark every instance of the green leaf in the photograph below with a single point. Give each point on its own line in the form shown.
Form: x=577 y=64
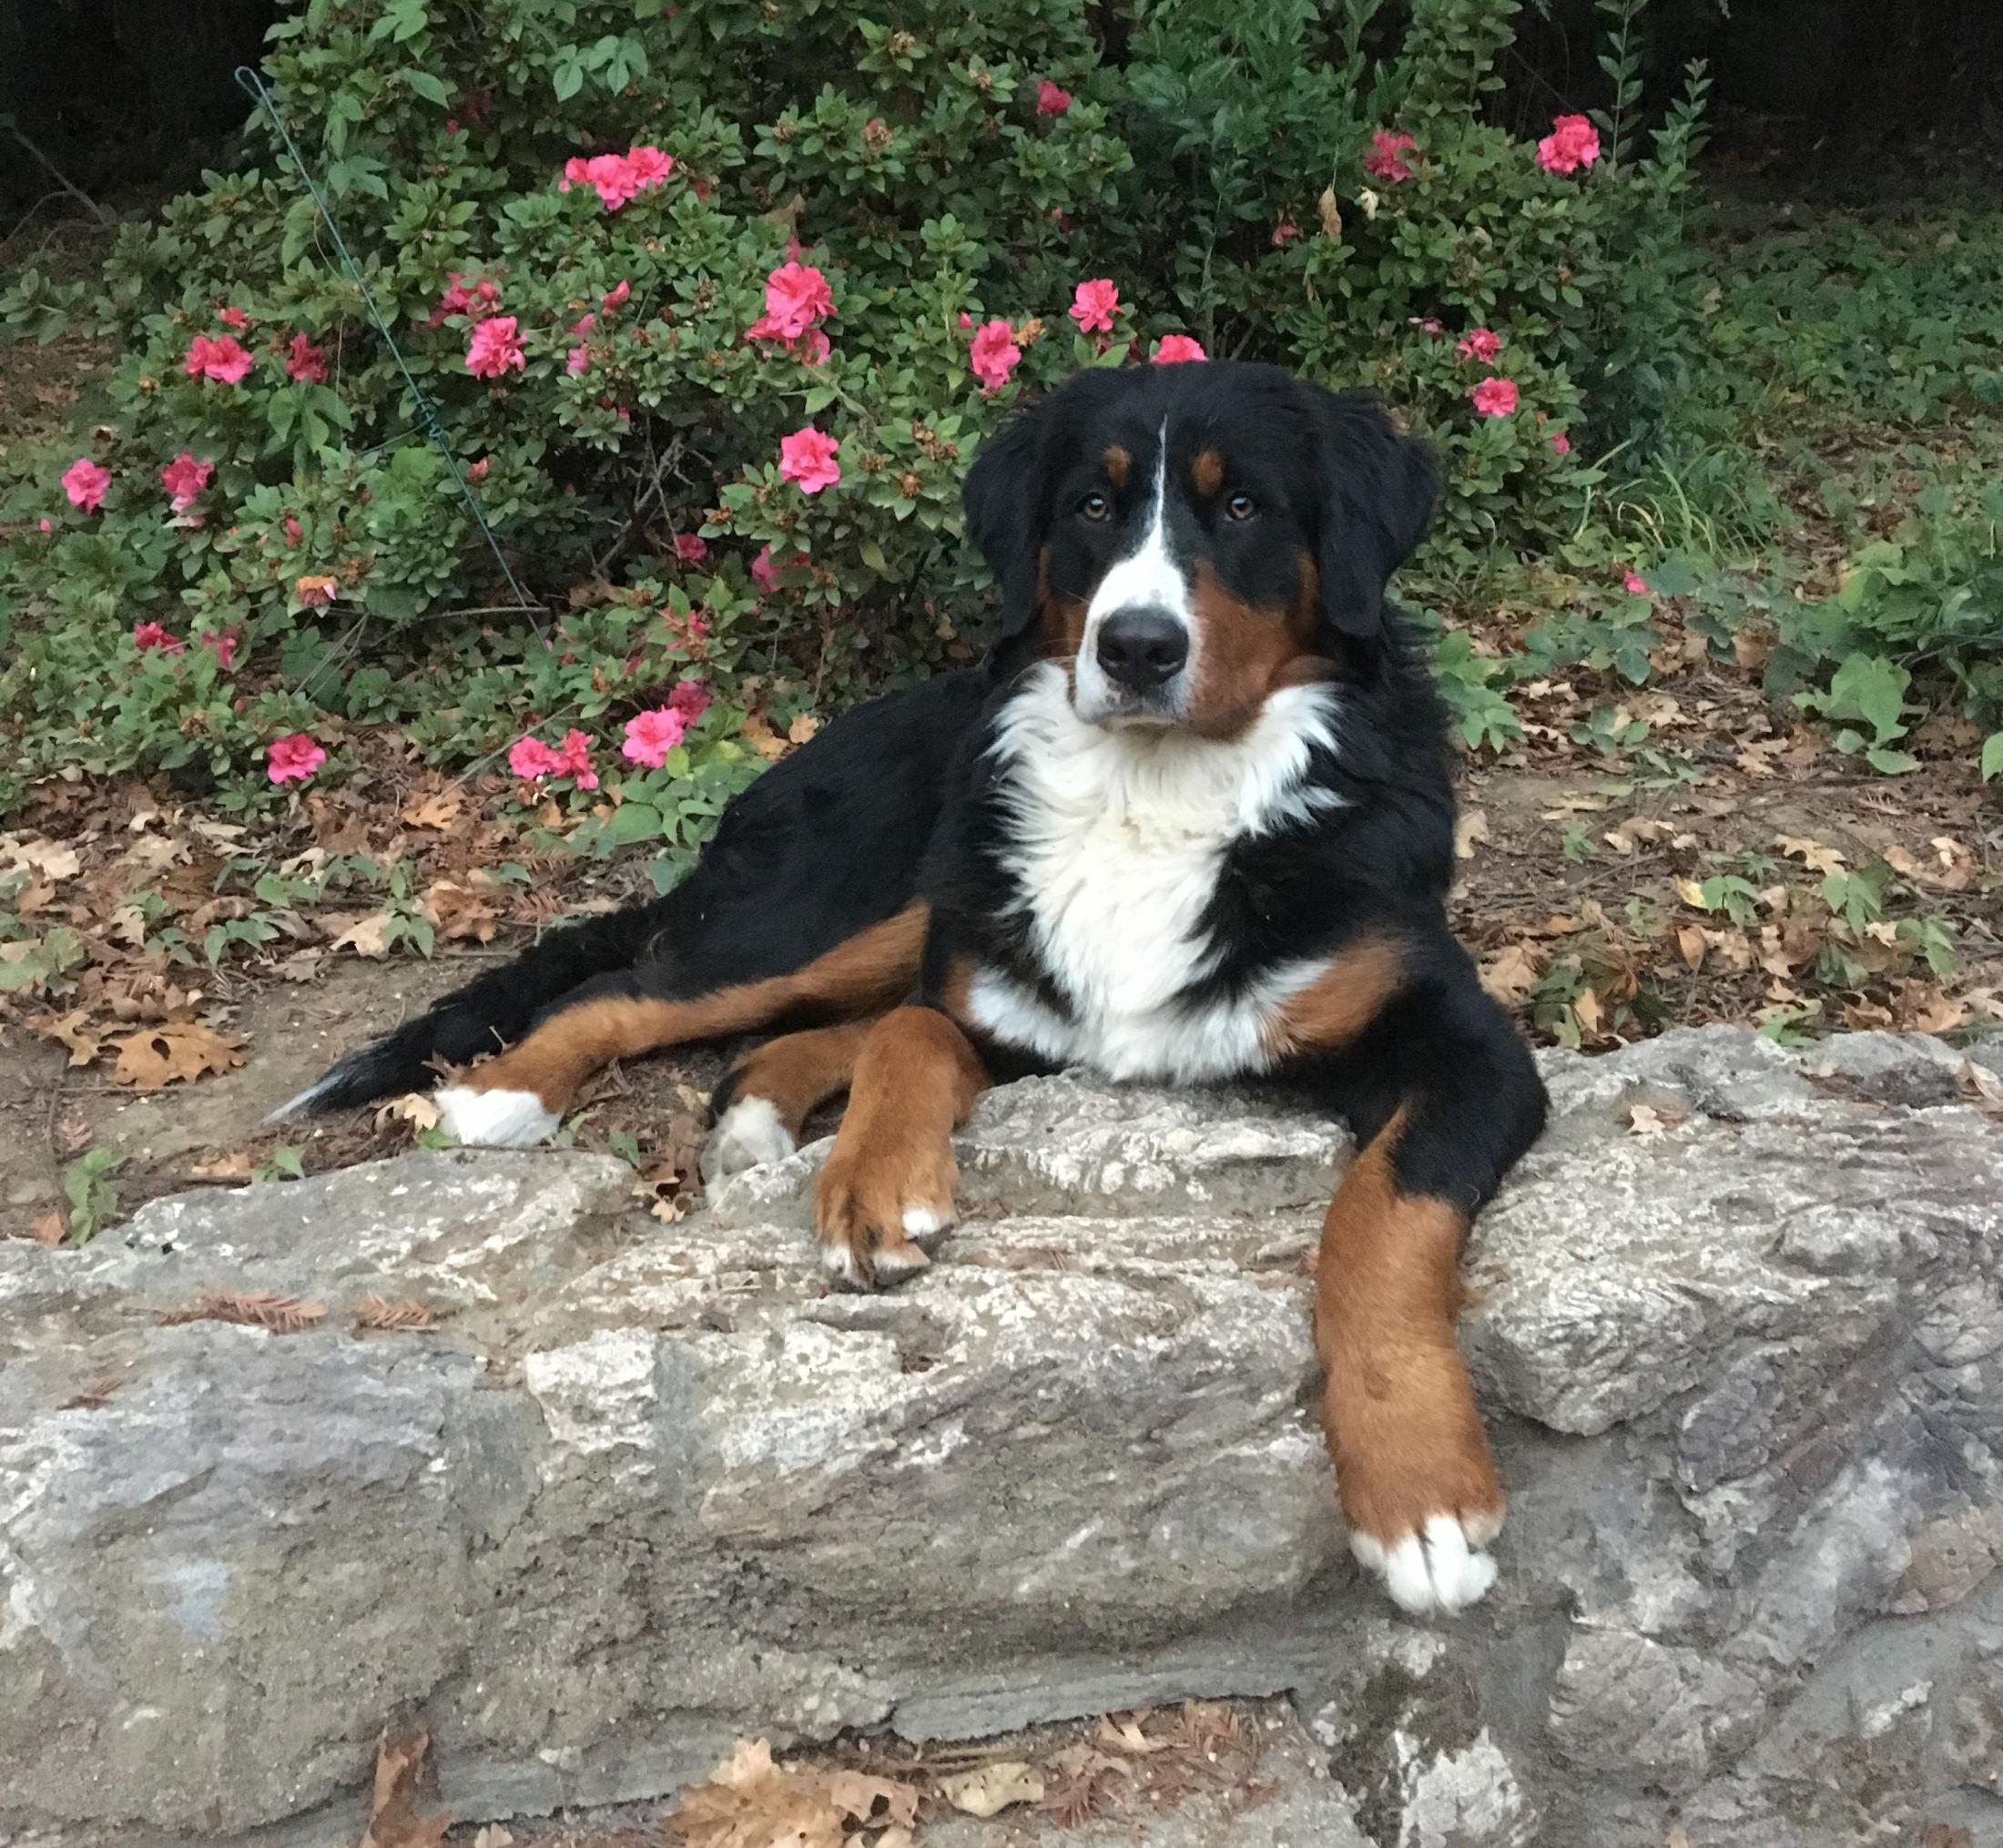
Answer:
x=432 y=88
x=1890 y=763
x=1992 y=757
x=635 y=821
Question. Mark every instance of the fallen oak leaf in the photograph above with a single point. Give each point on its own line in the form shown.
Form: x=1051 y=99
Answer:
x=1469 y=832
x=413 y=1108
x=67 y=1030
x=749 y=1802
x=1817 y=856
x=803 y=727
x=1511 y=974
x=370 y=938
x=437 y=810
x=177 y=1052
x=49 y=1229
x=393 y=1819
x=993 y=1788
x=254 y=1308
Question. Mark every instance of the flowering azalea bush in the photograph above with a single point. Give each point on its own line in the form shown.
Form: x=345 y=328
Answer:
x=714 y=302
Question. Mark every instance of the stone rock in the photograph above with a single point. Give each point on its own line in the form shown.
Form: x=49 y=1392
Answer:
x=644 y=1487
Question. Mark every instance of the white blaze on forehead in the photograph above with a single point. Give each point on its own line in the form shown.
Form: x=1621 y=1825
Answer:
x=1148 y=576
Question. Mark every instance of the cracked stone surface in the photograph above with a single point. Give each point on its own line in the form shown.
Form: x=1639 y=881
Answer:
x=647 y=1487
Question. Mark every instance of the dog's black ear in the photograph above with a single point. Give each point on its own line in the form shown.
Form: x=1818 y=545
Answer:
x=1004 y=498
x=1378 y=490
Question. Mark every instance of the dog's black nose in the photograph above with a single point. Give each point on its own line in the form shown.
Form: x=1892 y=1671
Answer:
x=1141 y=648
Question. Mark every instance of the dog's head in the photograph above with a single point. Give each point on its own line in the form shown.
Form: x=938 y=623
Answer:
x=1190 y=538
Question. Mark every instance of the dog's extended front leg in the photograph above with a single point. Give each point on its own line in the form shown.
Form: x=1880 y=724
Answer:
x=891 y=1178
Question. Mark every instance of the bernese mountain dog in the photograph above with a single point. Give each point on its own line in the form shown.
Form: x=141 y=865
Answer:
x=1192 y=821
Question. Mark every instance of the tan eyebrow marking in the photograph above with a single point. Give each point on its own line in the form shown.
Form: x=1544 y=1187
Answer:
x=1117 y=462
x=1207 y=472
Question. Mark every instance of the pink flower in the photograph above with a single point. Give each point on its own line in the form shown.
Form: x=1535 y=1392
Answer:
x=1093 y=305
x=233 y=317
x=577 y=360
x=294 y=532
x=797 y=297
x=584 y=324
x=293 y=759
x=147 y=635
x=691 y=548
x=573 y=760
x=764 y=574
x=1383 y=161
x=616 y=297
x=85 y=483
x=220 y=359
x=612 y=176
x=530 y=760
x=46 y=524
x=1635 y=584
x=315 y=593
x=1481 y=344
x=649 y=166
x=1284 y=233
x=1494 y=397
x=1176 y=349
x=494 y=347
x=458 y=299
x=184 y=478
x=1572 y=142
x=966 y=320
x=651 y=736
x=1561 y=443
x=1050 y=99
x=306 y=363
x=808 y=457
x=1432 y=328
x=224 y=644
x=477 y=472
x=691 y=697
x=994 y=354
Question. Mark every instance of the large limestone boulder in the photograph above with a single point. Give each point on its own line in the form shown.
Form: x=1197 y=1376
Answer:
x=644 y=1488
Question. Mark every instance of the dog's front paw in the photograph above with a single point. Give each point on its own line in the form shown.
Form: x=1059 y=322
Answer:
x=875 y=1209
x=1418 y=1484
x=748 y=1134
x=495 y=1118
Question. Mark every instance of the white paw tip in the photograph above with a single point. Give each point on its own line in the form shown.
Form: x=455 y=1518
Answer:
x=1436 y=1571
x=893 y=1266
x=840 y=1262
x=748 y=1135
x=495 y=1118
x=922 y=1222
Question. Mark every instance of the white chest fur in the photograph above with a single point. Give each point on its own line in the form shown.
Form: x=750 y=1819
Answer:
x=1119 y=840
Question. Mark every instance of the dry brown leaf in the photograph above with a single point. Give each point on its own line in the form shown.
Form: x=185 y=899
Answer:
x=1817 y=856
x=370 y=938
x=235 y=1167
x=1511 y=974
x=50 y=858
x=49 y=1229
x=1126 y=1735
x=1469 y=832
x=302 y=965
x=438 y=809
x=494 y=1836
x=804 y=725
x=461 y=911
x=394 y=1818
x=1953 y=867
x=993 y=1788
x=67 y=1030
x=1330 y=211
x=399 y=1315
x=751 y=1803
x=1588 y=1011
x=762 y=739
x=177 y=1052
x=1985 y=1087
x=413 y=1108
x=255 y=1308
x=1689 y=945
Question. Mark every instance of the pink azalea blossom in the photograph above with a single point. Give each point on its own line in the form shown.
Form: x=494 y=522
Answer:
x=994 y=354
x=687 y=632
x=797 y=297
x=482 y=297
x=184 y=478
x=494 y=347
x=477 y=472
x=85 y=483
x=1384 y=160
x=1482 y=344
x=764 y=574
x=1176 y=349
x=292 y=760
x=616 y=297
x=146 y=635
x=315 y=593
x=1433 y=328
x=1093 y=305
x=294 y=532
x=691 y=699
x=1051 y=100
x=532 y=760
x=650 y=167
x=221 y=359
x=46 y=524
x=577 y=360
x=1561 y=443
x=614 y=177
x=306 y=363
x=1284 y=233
x=808 y=457
x=651 y=736
x=691 y=548
x=1494 y=397
x=233 y=317
x=224 y=646
x=573 y=760
x=1635 y=584
x=1572 y=142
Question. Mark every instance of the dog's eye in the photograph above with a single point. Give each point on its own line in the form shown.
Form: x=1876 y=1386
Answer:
x=1096 y=506
x=1241 y=507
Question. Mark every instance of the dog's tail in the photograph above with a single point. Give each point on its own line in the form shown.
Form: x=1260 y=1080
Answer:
x=486 y=1014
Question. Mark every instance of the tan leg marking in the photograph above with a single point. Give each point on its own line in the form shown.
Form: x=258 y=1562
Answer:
x=1418 y=1483
x=1339 y=1003
x=875 y=969
x=797 y=1073
x=891 y=1177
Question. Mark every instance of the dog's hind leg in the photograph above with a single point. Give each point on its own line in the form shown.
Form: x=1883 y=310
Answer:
x=769 y=1093
x=520 y=1096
